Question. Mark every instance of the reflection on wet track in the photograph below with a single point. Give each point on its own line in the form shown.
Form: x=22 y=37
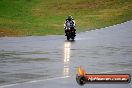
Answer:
x=67 y=46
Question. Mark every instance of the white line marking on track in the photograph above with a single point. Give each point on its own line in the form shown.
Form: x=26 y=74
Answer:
x=4 y=86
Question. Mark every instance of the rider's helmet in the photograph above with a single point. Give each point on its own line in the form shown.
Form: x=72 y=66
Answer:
x=70 y=17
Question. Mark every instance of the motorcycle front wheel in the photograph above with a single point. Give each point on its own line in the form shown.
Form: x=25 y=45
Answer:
x=68 y=37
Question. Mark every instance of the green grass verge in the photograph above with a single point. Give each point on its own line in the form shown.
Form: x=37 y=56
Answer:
x=44 y=17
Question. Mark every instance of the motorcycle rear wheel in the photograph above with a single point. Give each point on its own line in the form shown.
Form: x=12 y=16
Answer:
x=72 y=38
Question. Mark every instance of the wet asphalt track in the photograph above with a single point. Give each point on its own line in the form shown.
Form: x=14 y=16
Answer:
x=51 y=61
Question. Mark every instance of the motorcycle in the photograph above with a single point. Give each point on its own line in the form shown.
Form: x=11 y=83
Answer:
x=70 y=33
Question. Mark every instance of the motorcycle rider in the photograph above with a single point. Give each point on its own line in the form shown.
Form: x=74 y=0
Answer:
x=69 y=23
